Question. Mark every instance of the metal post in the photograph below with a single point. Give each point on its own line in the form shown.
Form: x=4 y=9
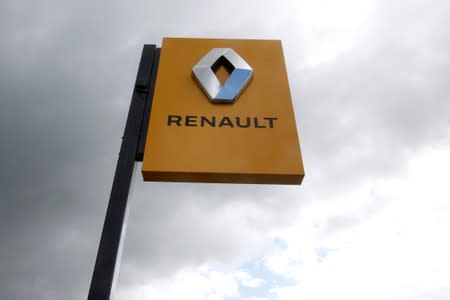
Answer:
x=134 y=136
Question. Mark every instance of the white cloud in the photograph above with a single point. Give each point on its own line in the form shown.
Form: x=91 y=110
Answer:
x=247 y=280
x=399 y=251
x=202 y=283
x=369 y=82
x=329 y=28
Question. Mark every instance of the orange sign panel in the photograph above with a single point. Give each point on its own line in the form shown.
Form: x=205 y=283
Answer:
x=251 y=138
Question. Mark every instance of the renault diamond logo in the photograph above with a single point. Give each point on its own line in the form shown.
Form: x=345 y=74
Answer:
x=240 y=75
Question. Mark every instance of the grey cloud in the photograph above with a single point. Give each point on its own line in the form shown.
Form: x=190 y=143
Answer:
x=65 y=82
x=382 y=102
x=179 y=225
x=58 y=134
x=368 y=209
x=65 y=85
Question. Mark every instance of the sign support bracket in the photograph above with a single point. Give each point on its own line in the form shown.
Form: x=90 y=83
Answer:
x=131 y=150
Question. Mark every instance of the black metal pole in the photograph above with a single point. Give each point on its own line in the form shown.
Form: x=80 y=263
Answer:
x=135 y=132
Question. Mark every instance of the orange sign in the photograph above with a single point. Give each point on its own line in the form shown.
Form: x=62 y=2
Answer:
x=251 y=138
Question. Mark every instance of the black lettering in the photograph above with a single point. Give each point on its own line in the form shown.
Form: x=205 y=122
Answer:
x=271 y=121
x=225 y=122
x=211 y=123
x=173 y=119
x=257 y=125
x=247 y=123
x=191 y=121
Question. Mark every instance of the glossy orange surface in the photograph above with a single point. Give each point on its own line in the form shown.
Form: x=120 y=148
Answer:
x=182 y=145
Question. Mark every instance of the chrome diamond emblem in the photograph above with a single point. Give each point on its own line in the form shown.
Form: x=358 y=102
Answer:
x=240 y=75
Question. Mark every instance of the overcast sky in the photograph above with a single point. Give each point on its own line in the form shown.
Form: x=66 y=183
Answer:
x=370 y=85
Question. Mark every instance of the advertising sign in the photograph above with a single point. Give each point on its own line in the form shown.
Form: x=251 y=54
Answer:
x=222 y=112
